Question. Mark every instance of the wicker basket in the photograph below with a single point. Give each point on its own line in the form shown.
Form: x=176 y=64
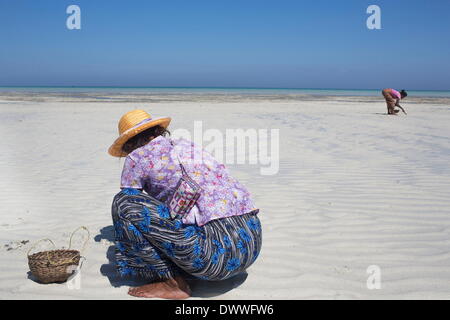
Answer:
x=55 y=265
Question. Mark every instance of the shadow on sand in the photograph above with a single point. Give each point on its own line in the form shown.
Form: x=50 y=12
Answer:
x=200 y=288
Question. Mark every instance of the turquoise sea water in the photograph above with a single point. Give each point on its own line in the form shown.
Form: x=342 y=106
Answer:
x=205 y=90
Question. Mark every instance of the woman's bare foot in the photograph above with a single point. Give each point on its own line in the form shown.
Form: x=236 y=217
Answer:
x=176 y=288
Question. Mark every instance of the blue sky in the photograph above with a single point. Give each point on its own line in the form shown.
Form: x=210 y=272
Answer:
x=246 y=43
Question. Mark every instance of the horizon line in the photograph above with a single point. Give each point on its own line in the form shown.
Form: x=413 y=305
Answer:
x=212 y=87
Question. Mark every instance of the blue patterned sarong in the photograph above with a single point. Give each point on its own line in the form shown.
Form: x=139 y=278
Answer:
x=152 y=245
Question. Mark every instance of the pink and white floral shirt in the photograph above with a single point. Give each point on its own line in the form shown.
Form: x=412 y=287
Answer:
x=155 y=169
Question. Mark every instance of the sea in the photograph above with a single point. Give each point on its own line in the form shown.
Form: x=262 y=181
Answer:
x=217 y=90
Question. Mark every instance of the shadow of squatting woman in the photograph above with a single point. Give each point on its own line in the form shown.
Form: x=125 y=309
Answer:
x=218 y=237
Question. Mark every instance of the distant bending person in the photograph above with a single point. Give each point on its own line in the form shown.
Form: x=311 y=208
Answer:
x=393 y=98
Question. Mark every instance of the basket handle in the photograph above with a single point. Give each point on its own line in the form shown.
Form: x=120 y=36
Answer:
x=69 y=260
x=34 y=245
x=85 y=242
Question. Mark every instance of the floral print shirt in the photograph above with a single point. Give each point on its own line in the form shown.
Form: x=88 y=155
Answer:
x=155 y=168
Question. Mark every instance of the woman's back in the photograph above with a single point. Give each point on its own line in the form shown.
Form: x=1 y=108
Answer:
x=155 y=168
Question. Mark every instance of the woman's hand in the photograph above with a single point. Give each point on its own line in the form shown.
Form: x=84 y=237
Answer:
x=398 y=105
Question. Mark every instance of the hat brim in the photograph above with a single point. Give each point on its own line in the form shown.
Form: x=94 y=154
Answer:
x=116 y=148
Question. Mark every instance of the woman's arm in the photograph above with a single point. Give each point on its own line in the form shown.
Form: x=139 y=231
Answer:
x=397 y=104
x=132 y=175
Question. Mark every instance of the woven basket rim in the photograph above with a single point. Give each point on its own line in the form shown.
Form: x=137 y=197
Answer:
x=53 y=251
x=55 y=261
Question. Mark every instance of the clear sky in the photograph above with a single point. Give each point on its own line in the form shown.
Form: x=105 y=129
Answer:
x=226 y=43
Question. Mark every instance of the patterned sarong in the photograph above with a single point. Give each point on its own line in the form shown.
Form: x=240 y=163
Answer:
x=152 y=245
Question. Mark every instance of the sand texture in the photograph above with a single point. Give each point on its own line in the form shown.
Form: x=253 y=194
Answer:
x=355 y=188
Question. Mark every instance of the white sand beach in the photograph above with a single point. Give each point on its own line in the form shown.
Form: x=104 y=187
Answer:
x=355 y=188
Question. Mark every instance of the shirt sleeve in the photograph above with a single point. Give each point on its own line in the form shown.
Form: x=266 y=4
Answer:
x=132 y=175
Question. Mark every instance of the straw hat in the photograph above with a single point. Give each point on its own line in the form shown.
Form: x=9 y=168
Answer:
x=131 y=124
